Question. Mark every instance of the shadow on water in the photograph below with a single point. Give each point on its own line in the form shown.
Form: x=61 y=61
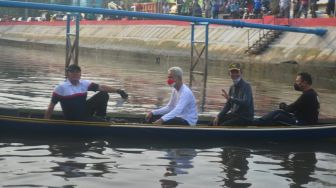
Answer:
x=127 y=142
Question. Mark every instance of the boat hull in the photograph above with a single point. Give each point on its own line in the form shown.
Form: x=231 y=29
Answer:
x=17 y=126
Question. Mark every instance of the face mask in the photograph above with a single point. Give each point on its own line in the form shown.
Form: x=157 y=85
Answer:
x=236 y=80
x=297 y=87
x=171 y=82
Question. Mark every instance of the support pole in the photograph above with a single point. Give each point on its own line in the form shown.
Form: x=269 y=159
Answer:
x=195 y=60
x=71 y=48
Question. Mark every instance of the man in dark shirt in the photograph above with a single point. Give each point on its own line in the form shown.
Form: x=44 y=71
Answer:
x=239 y=107
x=304 y=111
x=72 y=95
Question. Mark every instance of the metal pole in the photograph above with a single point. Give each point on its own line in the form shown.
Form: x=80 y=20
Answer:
x=234 y=23
x=334 y=8
x=205 y=76
x=67 y=42
x=191 y=54
x=77 y=39
x=248 y=39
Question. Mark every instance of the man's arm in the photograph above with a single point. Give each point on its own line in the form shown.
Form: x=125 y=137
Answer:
x=106 y=88
x=227 y=106
x=182 y=102
x=110 y=89
x=49 y=111
x=167 y=108
x=299 y=103
x=247 y=97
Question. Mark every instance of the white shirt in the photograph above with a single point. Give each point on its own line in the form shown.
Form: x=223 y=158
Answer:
x=67 y=89
x=284 y=3
x=182 y=104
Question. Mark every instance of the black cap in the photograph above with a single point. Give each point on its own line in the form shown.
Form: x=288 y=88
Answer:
x=73 y=68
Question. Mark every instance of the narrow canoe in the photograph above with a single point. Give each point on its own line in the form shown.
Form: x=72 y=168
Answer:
x=29 y=122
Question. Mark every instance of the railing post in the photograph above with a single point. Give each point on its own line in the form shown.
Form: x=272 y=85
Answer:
x=77 y=39
x=195 y=60
x=71 y=49
x=191 y=77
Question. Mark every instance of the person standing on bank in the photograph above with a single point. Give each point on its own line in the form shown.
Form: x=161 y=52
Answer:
x=239 y=107
x=304 y=111
x=181 y=108
x=72 y=95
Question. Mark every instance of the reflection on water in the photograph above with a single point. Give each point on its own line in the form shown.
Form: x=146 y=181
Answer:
x=104 y=163
x=29 y=76
x=235 y=167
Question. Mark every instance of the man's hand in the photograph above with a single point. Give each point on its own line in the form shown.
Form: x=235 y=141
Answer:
x=283 y=106
x=122 y=93
x=148 y=116
x=158 y=122
x=215 y=121
x=225 y=94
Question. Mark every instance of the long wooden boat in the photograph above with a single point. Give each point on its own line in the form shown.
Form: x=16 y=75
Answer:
x=30 y=123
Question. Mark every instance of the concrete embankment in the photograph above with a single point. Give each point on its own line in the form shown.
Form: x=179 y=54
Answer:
x=225 y=43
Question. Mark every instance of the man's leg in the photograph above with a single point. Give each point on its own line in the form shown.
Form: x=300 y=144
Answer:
x=97 y=104
x=176 y=121
x=226 y=117
x=278 y=117
x=236 y=121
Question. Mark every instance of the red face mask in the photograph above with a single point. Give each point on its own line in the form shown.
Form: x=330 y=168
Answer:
x=171 y=82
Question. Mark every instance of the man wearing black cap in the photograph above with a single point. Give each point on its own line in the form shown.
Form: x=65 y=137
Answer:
x=239 y=107
x=72 y=95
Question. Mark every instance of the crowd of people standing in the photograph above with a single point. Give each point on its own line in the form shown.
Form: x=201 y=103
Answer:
x=243 y=9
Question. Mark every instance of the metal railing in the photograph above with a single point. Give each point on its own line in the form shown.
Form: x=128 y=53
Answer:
x=234 y=23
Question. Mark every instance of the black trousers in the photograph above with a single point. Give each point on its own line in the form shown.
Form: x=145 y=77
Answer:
x=278 y=117
x=97 y=104
x=233 y=119
x=174 y=121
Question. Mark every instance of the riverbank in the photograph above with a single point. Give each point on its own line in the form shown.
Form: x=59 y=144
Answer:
x=170 y=39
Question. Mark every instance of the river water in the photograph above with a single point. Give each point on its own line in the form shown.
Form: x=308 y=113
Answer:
x=28 y=77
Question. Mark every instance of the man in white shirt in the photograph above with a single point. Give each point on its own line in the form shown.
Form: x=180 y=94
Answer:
x=181 y=108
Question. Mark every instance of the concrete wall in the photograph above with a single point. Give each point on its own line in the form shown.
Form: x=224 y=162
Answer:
x=226 y=43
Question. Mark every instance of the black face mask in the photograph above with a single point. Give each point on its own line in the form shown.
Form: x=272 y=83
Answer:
x=297 y=87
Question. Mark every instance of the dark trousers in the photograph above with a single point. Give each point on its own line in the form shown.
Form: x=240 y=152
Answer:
x=97 y=104
x=174 y=121
x=278 y=117
x=233 y=119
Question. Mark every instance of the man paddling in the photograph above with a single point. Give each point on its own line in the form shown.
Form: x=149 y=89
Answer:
x=304 y=111
x=72 y=95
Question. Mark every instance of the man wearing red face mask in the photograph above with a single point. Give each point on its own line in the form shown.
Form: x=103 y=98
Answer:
x=181 y=108
x=304 y=111
x=239 y=107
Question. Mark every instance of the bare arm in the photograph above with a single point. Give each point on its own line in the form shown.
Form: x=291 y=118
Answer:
x=110 y=89
x=49 y=111
x=106 y=88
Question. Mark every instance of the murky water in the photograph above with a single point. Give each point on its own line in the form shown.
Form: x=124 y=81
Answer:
x=27 y=78
x=101 y=163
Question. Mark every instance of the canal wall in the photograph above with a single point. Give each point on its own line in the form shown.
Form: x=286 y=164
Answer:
x=226 y=44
